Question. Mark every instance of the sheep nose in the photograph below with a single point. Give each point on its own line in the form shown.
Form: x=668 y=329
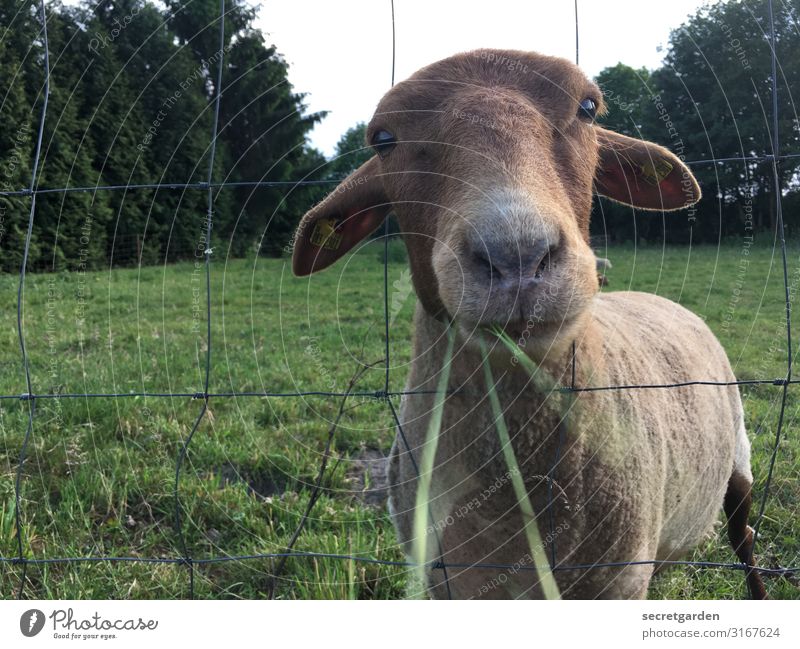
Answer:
x=514 y=265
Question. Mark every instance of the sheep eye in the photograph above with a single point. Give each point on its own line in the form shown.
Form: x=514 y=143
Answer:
x=588 y=110
x=383 y=142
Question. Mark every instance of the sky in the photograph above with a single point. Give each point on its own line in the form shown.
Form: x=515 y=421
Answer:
x=340 y=51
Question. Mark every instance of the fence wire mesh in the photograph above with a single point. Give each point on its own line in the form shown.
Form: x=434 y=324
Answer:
x=385 y=395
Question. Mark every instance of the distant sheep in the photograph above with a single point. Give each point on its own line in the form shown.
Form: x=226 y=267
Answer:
x=603 y=265
x=490 y=170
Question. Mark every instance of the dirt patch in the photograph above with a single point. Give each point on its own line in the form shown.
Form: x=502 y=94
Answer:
x=368 y=478
x=261 y=484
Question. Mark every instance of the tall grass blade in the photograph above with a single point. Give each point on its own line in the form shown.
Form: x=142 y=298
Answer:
x=421 y=510
x=546 y=579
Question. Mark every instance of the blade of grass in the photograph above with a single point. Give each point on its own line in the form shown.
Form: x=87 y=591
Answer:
x=351 y=573
x=421 y=510
x=546 y=579
x=564 y=403
x=541 y=378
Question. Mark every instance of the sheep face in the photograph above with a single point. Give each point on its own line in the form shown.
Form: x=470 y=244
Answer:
x=488 y=160
x=501 y=220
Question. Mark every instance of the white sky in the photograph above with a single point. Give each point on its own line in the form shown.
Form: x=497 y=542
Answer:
x=340 y=51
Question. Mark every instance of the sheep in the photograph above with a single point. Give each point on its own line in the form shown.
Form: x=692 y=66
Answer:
x=603 y=265
x=490 y=169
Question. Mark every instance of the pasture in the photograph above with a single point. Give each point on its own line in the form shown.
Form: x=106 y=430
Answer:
x=100 y=472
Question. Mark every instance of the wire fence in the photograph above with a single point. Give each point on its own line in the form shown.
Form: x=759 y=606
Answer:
x=30 y=398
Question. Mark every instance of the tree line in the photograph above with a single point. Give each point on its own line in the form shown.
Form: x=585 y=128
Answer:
x=131 y=102
x=712 y=98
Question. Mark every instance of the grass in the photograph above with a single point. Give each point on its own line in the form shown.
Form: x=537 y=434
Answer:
x=100 y=473
x=422 y=516
x=543 y=572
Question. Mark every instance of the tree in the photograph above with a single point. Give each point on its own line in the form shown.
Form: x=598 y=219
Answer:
x=264 y=125
x=351 y=152
x=196 y=24
x=71 y=227
x=170 y=87
x=19 y=116
x=116 y=122
x=712 y=99
x=627 y=95
x=715 y=86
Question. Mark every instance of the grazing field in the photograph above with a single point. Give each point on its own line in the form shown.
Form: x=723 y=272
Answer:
x=100 y=474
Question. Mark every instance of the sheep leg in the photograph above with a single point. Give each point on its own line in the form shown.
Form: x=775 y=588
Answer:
x=738 y=500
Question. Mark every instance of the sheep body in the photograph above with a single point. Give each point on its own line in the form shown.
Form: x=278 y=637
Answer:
x=641 y=474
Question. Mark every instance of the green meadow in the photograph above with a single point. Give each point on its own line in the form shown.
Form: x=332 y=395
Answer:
x=99 y=479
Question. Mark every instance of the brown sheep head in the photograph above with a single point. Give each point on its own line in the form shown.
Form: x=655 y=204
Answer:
x=489 y=160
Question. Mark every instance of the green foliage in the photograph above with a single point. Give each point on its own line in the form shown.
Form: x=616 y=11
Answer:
x=16 y=139
x=712 y=98
x=131 y=101
x=627 y=94
x=351 y=152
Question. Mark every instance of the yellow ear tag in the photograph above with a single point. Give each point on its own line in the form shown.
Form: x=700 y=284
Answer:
x=324 y=234
x=654 y=171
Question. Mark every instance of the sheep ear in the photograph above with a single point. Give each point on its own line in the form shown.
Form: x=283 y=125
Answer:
x=349 y=214
x=643 y=174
